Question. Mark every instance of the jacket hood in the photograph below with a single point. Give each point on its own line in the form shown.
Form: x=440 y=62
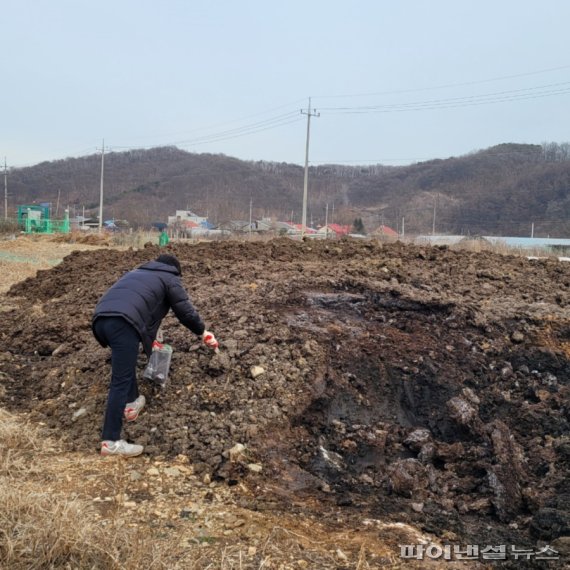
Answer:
x=159 y=266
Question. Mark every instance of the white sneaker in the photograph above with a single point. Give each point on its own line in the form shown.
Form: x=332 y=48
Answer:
x=120 y=447
x=133 y=409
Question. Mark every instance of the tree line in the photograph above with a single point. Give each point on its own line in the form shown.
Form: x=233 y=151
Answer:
x=493 y=190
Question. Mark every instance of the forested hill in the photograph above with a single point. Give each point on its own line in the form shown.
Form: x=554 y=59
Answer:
x=500 y=190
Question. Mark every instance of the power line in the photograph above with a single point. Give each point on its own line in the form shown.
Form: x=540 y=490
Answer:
x=288 y=118
x=245 y=130
x=445 y=86
x=456 y=105
x=484 y=98
x=481 y=101
x=216 y=125
x=237 y=130
x=73 y=154
x=276 y=122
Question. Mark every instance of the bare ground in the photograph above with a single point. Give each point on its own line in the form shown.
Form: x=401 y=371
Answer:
x=408 y=393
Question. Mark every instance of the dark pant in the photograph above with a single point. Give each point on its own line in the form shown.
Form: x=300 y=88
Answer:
x=124 y=342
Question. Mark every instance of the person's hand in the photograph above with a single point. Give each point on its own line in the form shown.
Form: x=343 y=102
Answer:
x=210 y=340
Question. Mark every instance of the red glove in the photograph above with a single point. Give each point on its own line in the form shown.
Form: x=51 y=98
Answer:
x=210 y=340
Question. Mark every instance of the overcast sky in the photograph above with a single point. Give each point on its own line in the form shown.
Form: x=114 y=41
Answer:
x=395 y=82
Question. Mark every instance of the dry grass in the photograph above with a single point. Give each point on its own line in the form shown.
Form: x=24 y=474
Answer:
x=43 y=528
x=13 y=271
x=18 y=444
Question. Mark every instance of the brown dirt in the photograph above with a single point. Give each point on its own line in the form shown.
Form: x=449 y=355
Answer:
x=405 y=384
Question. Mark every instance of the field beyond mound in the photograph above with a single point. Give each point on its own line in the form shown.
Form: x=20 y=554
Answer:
x=399 y=383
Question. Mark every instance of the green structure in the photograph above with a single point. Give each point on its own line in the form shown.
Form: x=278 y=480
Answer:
x=163 y=239
x=36 y=218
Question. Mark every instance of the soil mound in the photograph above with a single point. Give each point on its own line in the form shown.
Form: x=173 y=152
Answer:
x=82 y=238
x=414 y=383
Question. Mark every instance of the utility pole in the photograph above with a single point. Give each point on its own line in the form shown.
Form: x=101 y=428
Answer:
x=101 y=191
x=532 y=230
x=403 y=226
x=306 y=181
x=5 y=190
x=250 y=212
x=434 y=210
x=327 y=222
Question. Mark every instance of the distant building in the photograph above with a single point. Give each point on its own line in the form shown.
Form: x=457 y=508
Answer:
x=184 y=216
x=308 y=230
x=234 y=226
x=334 y=230
x=285 y=228
x=185 y=223
x=242 y=226
x=384 y=231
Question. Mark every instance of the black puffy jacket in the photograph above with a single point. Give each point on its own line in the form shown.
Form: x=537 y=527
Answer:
x=144 y=296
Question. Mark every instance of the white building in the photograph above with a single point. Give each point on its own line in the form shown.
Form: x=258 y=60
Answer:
x=186 y=216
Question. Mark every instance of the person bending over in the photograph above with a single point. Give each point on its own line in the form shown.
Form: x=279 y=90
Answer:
x=128 y=314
